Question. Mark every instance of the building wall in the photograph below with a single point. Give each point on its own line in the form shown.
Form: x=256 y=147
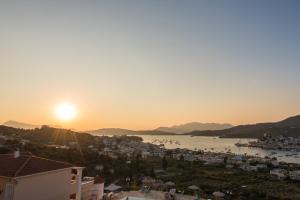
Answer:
x=101 y=190
x=92 y=191
x=86 y=190
x=3 y=182
x=48 y=186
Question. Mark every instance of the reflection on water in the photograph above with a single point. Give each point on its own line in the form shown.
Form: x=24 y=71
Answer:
x=222 y=145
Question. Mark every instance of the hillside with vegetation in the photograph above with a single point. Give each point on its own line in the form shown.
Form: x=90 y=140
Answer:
x=288 y=127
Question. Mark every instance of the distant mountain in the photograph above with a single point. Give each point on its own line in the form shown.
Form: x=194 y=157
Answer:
x=22 y=125
x=179 y=129
x=16 y=124
x=194 y=126
x=287 y=127
x=119 y=131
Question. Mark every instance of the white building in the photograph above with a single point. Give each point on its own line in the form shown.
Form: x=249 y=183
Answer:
x=295 y=175
x=279 y=173
x=24 y=177
x=249 y=168
x=145 y=154
x=92 y=188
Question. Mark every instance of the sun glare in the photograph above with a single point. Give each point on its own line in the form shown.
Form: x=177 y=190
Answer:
x=65 y=112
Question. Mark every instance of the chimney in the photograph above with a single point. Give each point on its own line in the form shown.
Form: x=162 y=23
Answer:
x=16 y=153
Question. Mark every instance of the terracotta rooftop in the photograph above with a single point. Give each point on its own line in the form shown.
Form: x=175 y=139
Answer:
x=27 y=165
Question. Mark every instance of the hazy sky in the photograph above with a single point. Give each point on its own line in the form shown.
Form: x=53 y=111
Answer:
x=142 y=64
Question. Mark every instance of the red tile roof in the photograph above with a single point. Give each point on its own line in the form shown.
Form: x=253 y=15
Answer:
x=27 y=165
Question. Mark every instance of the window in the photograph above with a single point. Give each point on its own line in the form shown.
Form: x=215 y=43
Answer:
x=74 y=173
x=72 y=196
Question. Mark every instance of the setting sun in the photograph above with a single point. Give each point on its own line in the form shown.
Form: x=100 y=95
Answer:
x=65 y=112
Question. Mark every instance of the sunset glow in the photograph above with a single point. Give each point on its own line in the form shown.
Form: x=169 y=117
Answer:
x=145 y=64
x=65 y=112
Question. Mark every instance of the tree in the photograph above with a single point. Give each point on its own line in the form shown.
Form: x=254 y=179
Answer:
x=181 y=158
x=152 y=173
x=137 y=162
x=164 y=163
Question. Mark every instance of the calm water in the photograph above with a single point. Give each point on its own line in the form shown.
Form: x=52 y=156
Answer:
x=222 y=145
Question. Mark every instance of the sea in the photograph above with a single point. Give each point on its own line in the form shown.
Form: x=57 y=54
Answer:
x=221 y=145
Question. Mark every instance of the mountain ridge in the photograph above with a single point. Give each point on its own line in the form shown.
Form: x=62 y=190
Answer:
x=16 y=124
x=120 y=131
x=23 y=125
x=194 y=126
x=288 y=127
x=172 y=130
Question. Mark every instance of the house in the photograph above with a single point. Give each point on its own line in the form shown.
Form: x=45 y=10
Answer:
x=59 y=146
x=24 y=176
x=72 y=143
x=24 y=142
x=235 y=160
x=2 y=140
x=229 y=166
x=189 y=157
x=248 y=168
x=295 y=175
x=274 y=163
x=262 y=166
x=145 y=154
x=214 y=161
x=278 y=173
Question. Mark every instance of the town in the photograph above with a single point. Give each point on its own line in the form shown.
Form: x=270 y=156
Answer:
x=149 y=100
x=126 y=163
x=278 y=143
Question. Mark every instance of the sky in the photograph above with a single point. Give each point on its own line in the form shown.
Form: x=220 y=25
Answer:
x=144 y=64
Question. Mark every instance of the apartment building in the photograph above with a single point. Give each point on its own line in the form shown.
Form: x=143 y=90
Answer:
x=27 y=177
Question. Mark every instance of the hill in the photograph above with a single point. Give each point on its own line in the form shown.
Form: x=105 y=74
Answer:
x=287 y=127
x=15 y=124
x=119 y=131
x=22 y=125
x=194 y=126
